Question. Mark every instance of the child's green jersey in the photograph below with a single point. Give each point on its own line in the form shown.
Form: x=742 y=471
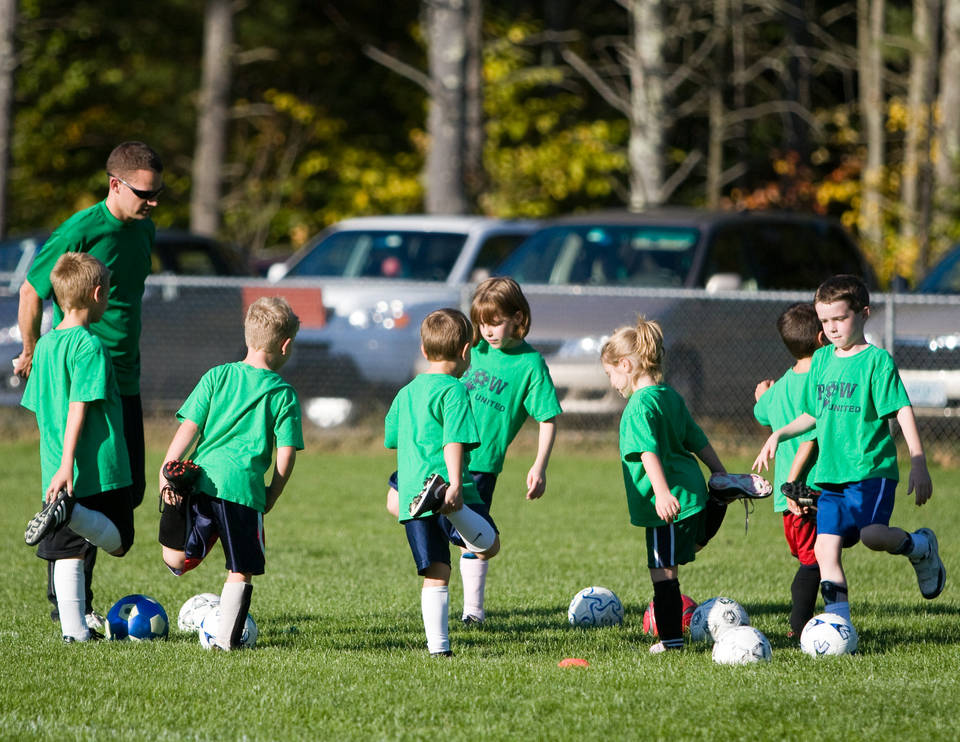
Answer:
x=73 y=365
x=243 y=413
x=124 y=247
x=852 y=397
x=427 y=414
x=656 y=419
x=779 y=405
x=505 y=386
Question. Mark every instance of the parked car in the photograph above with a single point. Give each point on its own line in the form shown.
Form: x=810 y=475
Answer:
x=581 y=276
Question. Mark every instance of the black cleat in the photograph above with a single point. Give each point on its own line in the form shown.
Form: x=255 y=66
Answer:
x=430 y=497
x=55 y=515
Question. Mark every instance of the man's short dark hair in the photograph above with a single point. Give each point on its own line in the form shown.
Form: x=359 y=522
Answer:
x=132 y=156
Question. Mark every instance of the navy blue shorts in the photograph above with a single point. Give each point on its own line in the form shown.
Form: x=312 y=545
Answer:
x=485 y=482
x=115 y=504
x=846 y=509
x=430 y=537
x=675 y=543
x=239 y=528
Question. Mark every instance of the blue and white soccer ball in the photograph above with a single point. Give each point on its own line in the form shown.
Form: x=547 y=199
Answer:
x=595 y=606
x=741 y=645
x=210 y=623
x=828 y=634
x=137 y=617
x=194 y=609
x=713 y=617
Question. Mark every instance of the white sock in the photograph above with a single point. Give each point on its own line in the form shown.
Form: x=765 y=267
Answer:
x=234 y=607
x=841 y=609
x=435 y=606
x=476 y=532
x=921 y=545
x=473 y=574
x=68 y=581
x=95 y=527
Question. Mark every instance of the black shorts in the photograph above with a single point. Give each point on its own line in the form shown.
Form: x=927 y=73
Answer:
x=65 y=544
x=238 y=527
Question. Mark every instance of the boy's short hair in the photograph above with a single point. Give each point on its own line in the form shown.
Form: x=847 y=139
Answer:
x=443 y=333
x=496 y=298
x=270 y=320
x=642 y=343
x=844 y=287
x=74 y=277
x=132 y=156
x=800 y=329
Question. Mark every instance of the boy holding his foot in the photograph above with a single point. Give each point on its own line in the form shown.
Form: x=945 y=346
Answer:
x=237 y=414
x=431 y=425
x=83 y=458
x=852 y=390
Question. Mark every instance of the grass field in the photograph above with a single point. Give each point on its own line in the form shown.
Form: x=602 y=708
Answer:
x=341 y=652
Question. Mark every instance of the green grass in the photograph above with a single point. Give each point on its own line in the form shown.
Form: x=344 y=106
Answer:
x=341 y=652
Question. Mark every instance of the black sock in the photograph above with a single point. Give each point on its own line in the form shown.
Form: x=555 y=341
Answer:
x=173 y=527
x=668 y=610
x=833 y=593
x=715 y=513
x=906 y=547
x=804 y=590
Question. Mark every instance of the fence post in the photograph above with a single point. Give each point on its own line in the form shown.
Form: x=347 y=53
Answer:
x=889 y=322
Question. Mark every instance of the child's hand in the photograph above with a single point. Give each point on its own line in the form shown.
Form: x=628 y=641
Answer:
x=761 y=388
x=668 y=506
x=920 y=481
x=452 y=500
x=536 y=483
x=62 y=480
x=767 y=453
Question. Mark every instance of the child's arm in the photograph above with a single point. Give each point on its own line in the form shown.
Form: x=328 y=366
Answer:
x=802 y=424
x=709 y=457
x=183 y=441
x=806 y=454
x=919 y=476
x=63 y=477
x=537 y=476
x=762 y=388
x=453 y=458
x=286 y=458
x=666 y=504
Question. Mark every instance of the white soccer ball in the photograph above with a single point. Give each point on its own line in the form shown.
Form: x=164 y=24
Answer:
x=741 y=645
x=208 y=630
x=194 y=609
x=595 y=606
x=713 y=617
x=828 y=634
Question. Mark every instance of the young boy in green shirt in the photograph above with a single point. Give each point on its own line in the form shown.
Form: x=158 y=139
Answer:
x=232 y=421
x=852 y=389
x=83 y=459
x=431 y=425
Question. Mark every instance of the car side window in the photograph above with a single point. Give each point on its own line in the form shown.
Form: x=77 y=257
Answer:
x=496 y=248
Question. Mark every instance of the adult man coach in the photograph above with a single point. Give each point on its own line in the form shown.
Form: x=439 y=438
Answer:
x=118 y=231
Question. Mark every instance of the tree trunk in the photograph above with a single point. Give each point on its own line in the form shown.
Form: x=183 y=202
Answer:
x=8 y=63
x=446 y=33
x=212 y=114
x=948 y=134
x=870 y=71
x=473 y=165
x=716 y=113
x=645 y=150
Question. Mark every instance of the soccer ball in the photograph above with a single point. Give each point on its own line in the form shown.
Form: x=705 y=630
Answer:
x=828 y=633
x=137 y=617
x=741 y=645
x=595 y=606
x=194 y=609
x=715 y=616
x=208 y=630
x=650 y=618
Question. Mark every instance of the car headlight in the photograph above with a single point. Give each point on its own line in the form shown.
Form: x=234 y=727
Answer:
x=944 y=342
x=390 y=315
x=584 y=347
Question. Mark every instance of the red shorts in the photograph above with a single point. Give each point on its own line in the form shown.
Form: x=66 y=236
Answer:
x=801 y=535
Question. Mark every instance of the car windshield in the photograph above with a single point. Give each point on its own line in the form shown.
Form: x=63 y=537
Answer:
x=945 y=276
x=415 y=256
x=605 y=255
x=17 y=254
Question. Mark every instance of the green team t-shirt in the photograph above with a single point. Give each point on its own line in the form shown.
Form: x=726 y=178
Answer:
x=656 y=419
x=779 y=405
x=427 y=414
x=243 y=413
x=852 y=398
x=124 y=247
x=72 y=365
x=505 y=386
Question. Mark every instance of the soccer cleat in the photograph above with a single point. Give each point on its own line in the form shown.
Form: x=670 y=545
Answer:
x=660 y=648
x=730 y=487
x=95 y=636
x=800 y=493
x=931 y=574
x=430 y=497
x=447 y=653
x=94 y=621
x=471 y=620
x=54 y=515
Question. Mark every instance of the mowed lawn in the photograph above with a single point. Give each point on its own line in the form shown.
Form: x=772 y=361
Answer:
x=341 y=653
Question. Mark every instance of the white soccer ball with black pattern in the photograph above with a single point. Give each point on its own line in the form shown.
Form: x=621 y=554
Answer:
x=741 y=645
x=595 y=606
x=828 y=634
x=210 y=623
x=194 y=609
x=713 y=617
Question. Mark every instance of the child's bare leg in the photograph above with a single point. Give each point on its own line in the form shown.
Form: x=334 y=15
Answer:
x=833 y=581
x=435 y=607
x=393 y=502
x=174 y=559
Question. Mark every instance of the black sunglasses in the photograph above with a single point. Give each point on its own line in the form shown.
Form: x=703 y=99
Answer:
x=145 y=195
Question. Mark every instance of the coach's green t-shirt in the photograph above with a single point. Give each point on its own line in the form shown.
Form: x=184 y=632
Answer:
x=243 y=414
x=72 y=365
x=779 y=405
x=124 y=247
x=505 y=386
x=427 y=414
x=852 y=398
x=656 y=419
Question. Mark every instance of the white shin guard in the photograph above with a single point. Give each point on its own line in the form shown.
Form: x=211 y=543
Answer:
x=95 y=527
x=435 y=606
x=234 y=607
x=476 y=532
x=68 y=581
x=473 y=574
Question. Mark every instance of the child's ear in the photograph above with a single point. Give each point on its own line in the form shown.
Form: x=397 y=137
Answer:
x=285 y=346
x=465 y=352
x=866 y=313
x=97 y=293
x=423 y=352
